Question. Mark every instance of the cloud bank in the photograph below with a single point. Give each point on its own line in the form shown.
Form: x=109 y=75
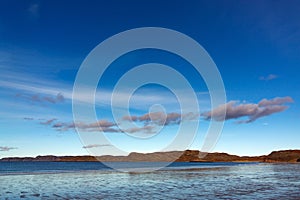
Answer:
x=152 y=121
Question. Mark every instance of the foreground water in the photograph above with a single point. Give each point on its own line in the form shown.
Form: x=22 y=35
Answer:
x=50 y=180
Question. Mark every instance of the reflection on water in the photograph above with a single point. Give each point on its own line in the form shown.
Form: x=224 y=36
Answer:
x=246 y=181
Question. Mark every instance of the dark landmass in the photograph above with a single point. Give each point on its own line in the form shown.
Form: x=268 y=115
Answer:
x=291 y=156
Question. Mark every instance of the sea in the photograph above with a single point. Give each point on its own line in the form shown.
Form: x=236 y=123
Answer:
x=179 y=180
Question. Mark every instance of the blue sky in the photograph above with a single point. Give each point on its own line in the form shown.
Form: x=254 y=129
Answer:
x=255 y=45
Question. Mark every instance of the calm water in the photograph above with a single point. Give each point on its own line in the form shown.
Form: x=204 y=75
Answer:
x=55 y=180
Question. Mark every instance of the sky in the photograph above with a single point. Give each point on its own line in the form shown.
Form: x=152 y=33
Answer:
x=255 y=46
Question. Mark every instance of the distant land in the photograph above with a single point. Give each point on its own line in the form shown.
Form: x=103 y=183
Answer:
x=291 y=156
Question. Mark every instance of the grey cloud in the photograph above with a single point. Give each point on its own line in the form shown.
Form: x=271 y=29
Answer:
x=275 y=101
x=101 y=125
x=96 y=146
x=130 y=118
x=103 y=129
x=150 y=120
x=48 y=122
x=7 y=148
x=234 y=110
x=28 y=118
x=36 y=98
x=59 y=125
x=160 y=118
x=146 y=129
x=266 y=111
x=268 y=78
x=59 y=98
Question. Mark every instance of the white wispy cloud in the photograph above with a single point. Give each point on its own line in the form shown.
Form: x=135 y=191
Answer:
x=268 y=77
x=33 y=10
x=54 y=91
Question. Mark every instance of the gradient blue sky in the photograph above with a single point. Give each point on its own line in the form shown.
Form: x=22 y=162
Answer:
x=255 y=45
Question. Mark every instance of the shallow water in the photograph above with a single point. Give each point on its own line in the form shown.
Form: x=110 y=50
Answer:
x=180 y=181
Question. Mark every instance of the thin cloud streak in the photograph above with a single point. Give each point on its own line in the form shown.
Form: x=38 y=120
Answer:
x=48 y=122
x=145 y=129
x=101 y=125
x=5 y=148
x=28 y=118
x=269 y=77
x=37 y=98
x=96 y=146
x=48 y=90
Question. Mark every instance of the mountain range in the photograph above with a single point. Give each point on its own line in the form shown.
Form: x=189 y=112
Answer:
x=292 y=156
